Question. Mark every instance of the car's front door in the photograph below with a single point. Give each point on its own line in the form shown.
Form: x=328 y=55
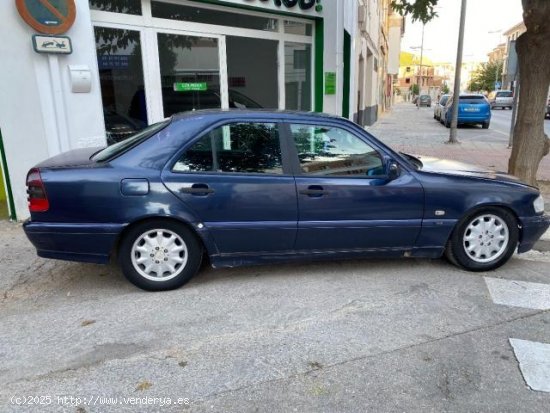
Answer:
x=233 y=178
x=345 y=199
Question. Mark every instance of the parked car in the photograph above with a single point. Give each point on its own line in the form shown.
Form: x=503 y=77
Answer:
x=501 y=99
x=472 y=110
x=247 y=187
x=424 y=100
x=439 y=106
x=547 y=115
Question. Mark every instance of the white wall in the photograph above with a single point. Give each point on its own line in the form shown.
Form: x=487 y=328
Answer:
x=37 y=119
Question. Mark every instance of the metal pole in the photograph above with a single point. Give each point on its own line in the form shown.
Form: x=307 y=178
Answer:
x=421 y=57
x=458 y=69
x=496 y=74
x=514 y=111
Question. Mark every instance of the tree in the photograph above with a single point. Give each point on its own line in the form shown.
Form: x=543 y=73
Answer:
x=485 y=76
x=445 y=89
x=533 y=48
x=415 y=89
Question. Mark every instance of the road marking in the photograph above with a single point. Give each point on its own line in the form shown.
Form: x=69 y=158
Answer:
x=534 y=363
x=523 y=294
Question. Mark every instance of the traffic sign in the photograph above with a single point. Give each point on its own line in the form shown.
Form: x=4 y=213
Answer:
x=498 y=85
x=48 y=16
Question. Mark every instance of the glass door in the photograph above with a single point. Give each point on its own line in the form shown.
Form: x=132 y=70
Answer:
x=190 y=74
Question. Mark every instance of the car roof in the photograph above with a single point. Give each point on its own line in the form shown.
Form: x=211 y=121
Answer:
x=244 y=113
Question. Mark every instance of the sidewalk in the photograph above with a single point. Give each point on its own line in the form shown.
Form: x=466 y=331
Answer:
x=415 y=131
x=412 y=130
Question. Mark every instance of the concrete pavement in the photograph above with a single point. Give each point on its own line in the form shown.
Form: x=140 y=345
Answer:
x=413 y=130
x=375 y=335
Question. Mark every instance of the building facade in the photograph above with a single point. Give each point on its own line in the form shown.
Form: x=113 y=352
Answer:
x=135 y=62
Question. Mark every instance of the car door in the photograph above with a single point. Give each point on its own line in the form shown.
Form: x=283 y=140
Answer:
x=345 y=199
x=234 y=179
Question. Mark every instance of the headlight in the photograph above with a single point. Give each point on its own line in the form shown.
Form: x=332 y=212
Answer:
x=538 y=204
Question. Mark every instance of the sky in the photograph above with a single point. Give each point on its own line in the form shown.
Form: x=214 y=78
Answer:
x=441 y=34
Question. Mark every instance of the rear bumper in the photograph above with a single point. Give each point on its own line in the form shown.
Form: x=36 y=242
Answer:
x=532 y=230
x=73 y=242
x=473 y=119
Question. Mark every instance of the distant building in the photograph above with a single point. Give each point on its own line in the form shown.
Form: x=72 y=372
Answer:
x=510 y=56
x=414 y=72
x=497 y=54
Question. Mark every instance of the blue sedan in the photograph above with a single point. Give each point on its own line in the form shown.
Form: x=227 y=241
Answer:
x=472 y=110
x=249 y=187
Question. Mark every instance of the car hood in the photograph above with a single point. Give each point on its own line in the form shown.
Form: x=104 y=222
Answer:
x=451 y=167
x=71 y=159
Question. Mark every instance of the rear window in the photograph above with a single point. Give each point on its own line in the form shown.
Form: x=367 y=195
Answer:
x=444 y=100
x=114 y=150
x=473 y=100
x=504 y=94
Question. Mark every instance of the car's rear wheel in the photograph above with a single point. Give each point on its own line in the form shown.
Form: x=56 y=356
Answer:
x=484 y=240
x=485 y=125
x=159 y=255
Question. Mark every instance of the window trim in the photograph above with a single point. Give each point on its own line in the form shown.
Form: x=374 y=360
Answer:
x=295 y=159
x=287 y=171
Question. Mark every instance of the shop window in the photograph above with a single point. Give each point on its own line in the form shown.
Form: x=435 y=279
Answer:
x=254 y=63
x=326 y=151
x=299 y=28
x=121 y=79
x=117 y=6
x=222 y=18
x=239 y=147
x=189 y=73
x=298 y=76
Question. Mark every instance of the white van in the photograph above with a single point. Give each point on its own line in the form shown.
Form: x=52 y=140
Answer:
x=501 y=99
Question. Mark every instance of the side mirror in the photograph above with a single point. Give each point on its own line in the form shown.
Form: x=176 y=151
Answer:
x=393 y=170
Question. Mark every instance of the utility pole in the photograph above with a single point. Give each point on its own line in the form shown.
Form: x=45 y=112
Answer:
x=421 y=57
x=458 y=69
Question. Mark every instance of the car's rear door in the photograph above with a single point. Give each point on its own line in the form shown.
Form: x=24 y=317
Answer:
x=345 y=199
x=236 y=179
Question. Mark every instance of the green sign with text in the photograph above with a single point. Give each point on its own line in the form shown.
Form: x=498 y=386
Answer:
x=330 y=83
x=190 y=87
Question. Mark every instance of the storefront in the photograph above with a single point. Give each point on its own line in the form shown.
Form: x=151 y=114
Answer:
x=135 y=62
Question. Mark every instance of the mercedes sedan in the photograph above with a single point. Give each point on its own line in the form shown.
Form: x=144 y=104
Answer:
x=249 y=187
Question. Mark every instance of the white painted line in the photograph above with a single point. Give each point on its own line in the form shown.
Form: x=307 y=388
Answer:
x=519 y=293
x=534 y=363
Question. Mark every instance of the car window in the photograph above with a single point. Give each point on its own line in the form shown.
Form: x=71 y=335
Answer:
x=504 y=94
x=114 y=150
x=443 y=100
x=329 y=151
x=238 y=147
x=473 y=100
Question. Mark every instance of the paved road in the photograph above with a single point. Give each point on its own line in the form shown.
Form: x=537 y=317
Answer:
x=415 y=131
x=500 y=122
x=393 y=336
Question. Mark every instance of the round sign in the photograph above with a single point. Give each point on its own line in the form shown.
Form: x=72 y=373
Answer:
x=48 y=16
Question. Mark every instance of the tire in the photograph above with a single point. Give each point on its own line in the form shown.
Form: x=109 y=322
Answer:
x=466 y=250
x=182 y=252
x=485 y=125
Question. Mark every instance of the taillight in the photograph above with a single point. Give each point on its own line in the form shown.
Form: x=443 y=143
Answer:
x=38 y=201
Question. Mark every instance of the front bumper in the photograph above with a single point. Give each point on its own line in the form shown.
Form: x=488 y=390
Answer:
x=73 y=242
x=532 y=229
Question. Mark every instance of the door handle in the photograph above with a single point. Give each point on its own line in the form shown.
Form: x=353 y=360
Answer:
x=314 y=191
x=197 y=189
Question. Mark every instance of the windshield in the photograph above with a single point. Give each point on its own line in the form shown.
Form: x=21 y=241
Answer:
x=114 y=150
x=473 y=100
x=504 y=95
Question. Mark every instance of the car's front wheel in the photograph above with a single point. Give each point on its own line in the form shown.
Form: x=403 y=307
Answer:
x=484 y=240
x=159 y=255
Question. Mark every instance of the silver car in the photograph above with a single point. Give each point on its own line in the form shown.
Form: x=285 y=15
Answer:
x=501 y=99
x=439 y=106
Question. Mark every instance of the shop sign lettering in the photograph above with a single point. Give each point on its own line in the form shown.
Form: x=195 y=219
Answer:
x=302 y=4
